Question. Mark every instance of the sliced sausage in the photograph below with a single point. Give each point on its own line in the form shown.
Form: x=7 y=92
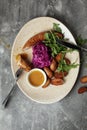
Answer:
x=48 y=72
x=33 y=40
x=60 y=74
x=47 y=83
x=53 y=65
x=57 y=81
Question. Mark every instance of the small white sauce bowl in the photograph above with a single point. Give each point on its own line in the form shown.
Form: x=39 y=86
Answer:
x=36 y=69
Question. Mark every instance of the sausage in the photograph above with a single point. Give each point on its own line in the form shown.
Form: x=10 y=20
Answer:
x=47 y=83
x=57 y=81
x=48 y=72
x=60 y=74
x=59 y=57
x=53 y=65
x=33 y=40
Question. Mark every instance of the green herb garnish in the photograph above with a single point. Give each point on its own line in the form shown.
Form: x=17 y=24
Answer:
x=57 y=28
x=81 y=41
x=50 y=41
x=63 y=66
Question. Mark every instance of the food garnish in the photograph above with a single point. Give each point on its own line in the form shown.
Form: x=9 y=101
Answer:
x=81 y=41
x=64 y=66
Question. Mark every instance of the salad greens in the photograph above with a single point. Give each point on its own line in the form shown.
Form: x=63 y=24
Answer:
x=51 y=42
x=80 y=40
x=57 y=28
x=63 y=66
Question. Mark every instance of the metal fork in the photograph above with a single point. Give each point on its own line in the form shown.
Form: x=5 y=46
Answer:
x=17 y=76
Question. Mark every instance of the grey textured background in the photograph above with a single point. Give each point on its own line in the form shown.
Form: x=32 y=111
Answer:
x=22 y=113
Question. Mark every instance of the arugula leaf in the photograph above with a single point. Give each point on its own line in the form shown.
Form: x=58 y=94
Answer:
x=47 y=36
x=63 y=66
x=57 y=28
x=50 y=41
x=80 y=40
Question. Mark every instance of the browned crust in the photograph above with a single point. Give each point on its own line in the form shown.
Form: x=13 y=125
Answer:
x=33 y=40
x=57 y=81
x=47 y=83
x=48 y=72
x=37 y=38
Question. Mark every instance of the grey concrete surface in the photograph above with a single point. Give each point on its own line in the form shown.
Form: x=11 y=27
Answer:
x=22 y=113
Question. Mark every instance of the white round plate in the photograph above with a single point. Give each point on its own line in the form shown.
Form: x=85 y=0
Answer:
x=52 y=93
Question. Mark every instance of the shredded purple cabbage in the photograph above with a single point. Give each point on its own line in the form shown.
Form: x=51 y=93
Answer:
x=41 y=55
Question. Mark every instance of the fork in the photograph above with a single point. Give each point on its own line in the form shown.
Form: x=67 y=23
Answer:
x=17 y=76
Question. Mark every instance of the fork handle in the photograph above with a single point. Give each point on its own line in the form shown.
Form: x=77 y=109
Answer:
x=6 y=100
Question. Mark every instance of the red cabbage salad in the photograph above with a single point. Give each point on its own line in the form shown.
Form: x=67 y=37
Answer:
x=41 y=55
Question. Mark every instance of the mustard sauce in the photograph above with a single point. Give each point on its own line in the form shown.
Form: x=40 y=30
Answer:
x=36 y=78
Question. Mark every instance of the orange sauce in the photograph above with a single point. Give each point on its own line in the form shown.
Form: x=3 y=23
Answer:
x=36 y=78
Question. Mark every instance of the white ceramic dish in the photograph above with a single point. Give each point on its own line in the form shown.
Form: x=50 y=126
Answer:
x=50 y=94
x=29 y=83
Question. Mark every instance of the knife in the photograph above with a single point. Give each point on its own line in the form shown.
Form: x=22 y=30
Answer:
x=17 y=76
x=70 y=45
